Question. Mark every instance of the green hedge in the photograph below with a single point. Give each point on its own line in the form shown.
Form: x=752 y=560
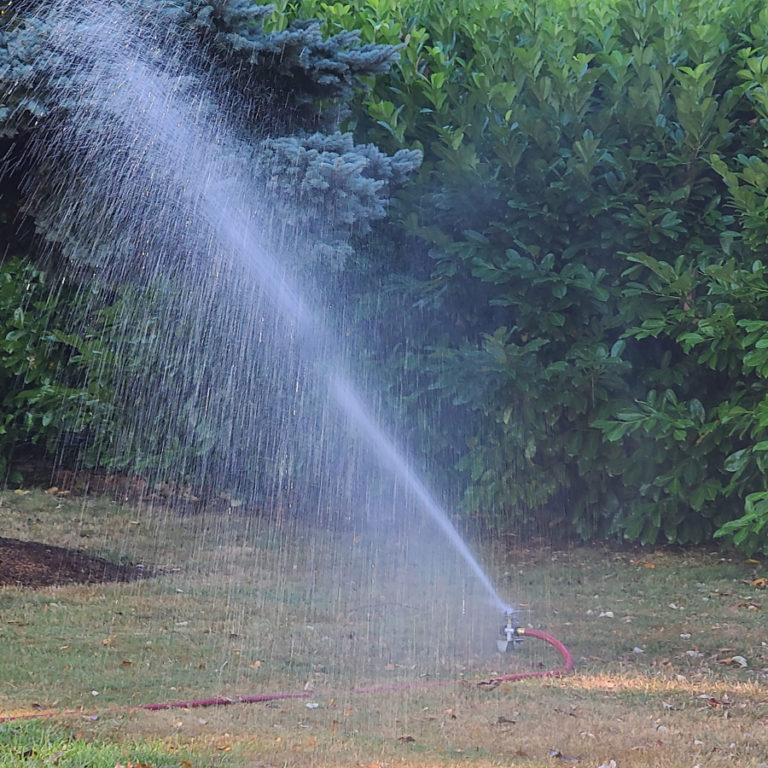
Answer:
x=588 y=231
x=46 y=392
x=573 y=291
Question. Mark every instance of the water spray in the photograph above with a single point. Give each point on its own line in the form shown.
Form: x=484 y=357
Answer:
x=133 y=102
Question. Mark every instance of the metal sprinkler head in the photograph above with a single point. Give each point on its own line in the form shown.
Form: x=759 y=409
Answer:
x=510 y=633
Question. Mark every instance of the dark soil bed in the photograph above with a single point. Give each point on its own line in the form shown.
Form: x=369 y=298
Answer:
x=32 y=564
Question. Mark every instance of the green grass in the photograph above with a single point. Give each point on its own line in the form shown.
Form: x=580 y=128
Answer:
x=244 y=606
x=42 y=744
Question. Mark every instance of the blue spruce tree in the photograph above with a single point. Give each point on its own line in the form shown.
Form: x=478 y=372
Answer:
x=135 y=134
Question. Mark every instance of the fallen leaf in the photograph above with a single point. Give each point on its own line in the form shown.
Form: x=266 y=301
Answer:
x=406 y=739
x=761 y=583
x=734 y=661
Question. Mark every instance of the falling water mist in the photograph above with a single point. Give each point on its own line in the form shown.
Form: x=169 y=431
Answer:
x=160 y=197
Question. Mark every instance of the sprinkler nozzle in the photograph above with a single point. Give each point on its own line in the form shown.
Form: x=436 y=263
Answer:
x=510 y=633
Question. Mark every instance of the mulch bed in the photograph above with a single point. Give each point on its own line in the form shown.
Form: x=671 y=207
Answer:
x=32 y=564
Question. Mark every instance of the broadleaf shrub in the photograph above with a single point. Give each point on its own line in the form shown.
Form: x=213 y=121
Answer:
x=587 y=233
x=46 y=392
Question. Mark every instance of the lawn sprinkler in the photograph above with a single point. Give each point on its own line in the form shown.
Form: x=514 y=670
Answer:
x=511 y=634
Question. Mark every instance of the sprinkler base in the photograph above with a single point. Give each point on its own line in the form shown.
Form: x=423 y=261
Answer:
x=502 y=646
x=511 y=635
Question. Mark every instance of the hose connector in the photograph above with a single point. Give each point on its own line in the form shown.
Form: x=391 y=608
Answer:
x=511 y=634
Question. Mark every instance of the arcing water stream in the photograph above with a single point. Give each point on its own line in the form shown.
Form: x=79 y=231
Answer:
x=162 y=173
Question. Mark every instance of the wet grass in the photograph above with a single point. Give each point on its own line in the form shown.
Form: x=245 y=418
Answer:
x=670 y=647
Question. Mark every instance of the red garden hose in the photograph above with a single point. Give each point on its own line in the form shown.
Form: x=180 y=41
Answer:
x=556 y=644
x=221 y=701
